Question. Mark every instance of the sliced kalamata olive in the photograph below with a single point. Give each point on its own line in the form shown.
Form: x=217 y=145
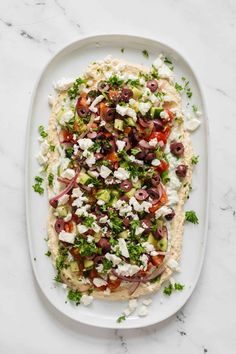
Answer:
x=125 y=198
x=126 y=94
x=146 y=224
x=158 y=124
x=126 y=221
x=98 y=259
x=161 y=232
x=126 y=185
x=53 y=203
x=103 y=86
x=59 y=225
x=150 y=156
x=92 y=135
x=82 y=111
x=170 y=216
x=109 y=114
x=145 y=144
x=181 y=170
x=133 y=137
x=177 y=148
x=141 y=155
x=144 y=123
x=153 y=193
x=156 y=180
x=104 y=244
x=141 y=194
x=152 y=85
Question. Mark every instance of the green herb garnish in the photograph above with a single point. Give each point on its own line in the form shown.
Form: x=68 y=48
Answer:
x=38 y=185
x=135 y=151
x=115 y=81
x=169 y=63
x=122 y=50
x=178 y=87
x=194 y=108
x=178 y=286
x=107 y=265
x=48 y=253
x=74 y=90
x=145 y=53
x=50 y=179
x=194 y=159
x=88 y=221
x=74 y=296
x=42 y=132
x=121 y=319
x=191 y=217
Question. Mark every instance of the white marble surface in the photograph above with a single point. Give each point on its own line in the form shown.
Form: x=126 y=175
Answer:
x=30 y=33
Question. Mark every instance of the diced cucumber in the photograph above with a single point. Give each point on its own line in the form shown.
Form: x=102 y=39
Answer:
x=62 y=211
x=137 y=184
x=74 y=266
x=155 y=112
x=104 y=195
x=130 y=193
x=130 y=122
x=119 y=124
x=152 y=240
x=88 y=263
x=162 y=244
x=124 y=234
x=83 y=178
x=97 y=237
x=115 y=193
x=136 y=93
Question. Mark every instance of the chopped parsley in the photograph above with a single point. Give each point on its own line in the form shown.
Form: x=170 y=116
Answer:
x=96 y=145
x=145 y=53
x=74 y=296
x=178 y=87
x=191 y=217
x=165 y=177
x=69 y=152
x=38 y=185
x=42 y=132
x=107 y=265
x=122 y=50
x=50 y=179
x=86 y=249
x=169 y=63
x=88 y=221
x=135 y=252
x=185 y=87
x=52 y=147
x=121 y=319
x=170 y=288
x=134 y=83
x=48 y=253
x=135 y=151
x=94 y=181
x=74 y=90
x=115 y=81
x=194 y=159
x=116 y=223
x=194 y=108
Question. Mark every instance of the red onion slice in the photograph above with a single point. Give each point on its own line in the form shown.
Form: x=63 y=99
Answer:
x=133 y=288
x=65 y=191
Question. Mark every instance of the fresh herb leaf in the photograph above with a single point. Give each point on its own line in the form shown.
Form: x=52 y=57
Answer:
x=169 y=63
x=107 y=265
x=178 y=87
x=122 y=50
x=145 y=53
x=135 y=151
x=38 y=185
x=51 y=147
x=115 y=81
x=69 y=152
x=50 y=179
x=191 y=217
x=96 y=145
x=194 y=108
x=168 y=289
x=135 y=252
x=74 y=296
x=42 y=132
x=48 y=253
x=189 y=93
x=88 y=221
x=194 y=159
x=74 y=90
x=121 y=319
x=134 y=83
x=178 y=286
x=85 y=249
x=94 y=181
x=165 y=177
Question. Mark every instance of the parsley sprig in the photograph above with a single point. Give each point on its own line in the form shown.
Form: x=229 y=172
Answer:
x=38 y=185
x=170 y=288
x=191 y=217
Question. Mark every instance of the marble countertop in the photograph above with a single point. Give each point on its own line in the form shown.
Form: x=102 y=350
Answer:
x=30 y=33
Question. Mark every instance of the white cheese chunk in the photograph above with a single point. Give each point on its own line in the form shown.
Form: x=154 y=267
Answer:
x=82 y=229
x=120 y=144
x=192 y=124
x=155 y=162
x=127 y=269
x=123 y=247
x=41 y=159
x=98 y=282
x=67 y=236
x=86 y=300
x=44 y=147
x=144 y=107
x=63 y=84
x=121 y=174
x=113 y=258
x=147 y=302
x=85 y=143
x=68 y=173
x=163 y=211
x=63 y=200
x=143 y=311
x=66 y=117
x=126 y=111
x=105 y=171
